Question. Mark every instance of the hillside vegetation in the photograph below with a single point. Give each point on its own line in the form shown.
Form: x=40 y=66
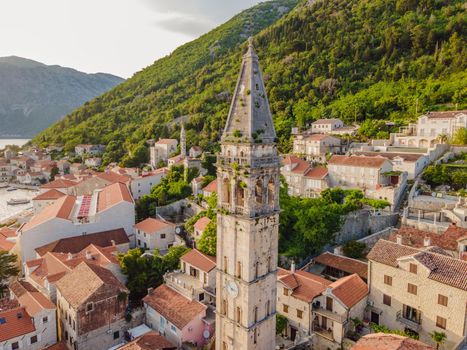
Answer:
x=353 y=59
x=33 y=95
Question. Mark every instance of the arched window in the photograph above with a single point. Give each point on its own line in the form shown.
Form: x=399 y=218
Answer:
x=271 y=191
x=240 y=194
x=226 y=191
x=259 y=192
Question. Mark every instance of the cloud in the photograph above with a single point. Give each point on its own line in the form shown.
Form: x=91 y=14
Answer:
x=194 y=17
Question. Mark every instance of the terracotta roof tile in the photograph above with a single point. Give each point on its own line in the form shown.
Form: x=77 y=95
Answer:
x=113 y=177
x=173 y=306
x=319 y=172
x=407 y=157
x=211 y=187
x=306 y=286
x=202 y=223
x=350 y=289
x=59 y=183
x=96 y=277
x=61 y=208
x=166 y=141
x=343 y=263
x=382 y=341
x=57 y=346
x=30 y=298
x=301 y=166
x=112 y=195
x=76 y=244
x=16 y=322
x=151 y=225
x=201 y=261
x=415 y=238
x=446 y=114
x=358 y=161
x=150 y=341
x=443 y=269
x=49 y=195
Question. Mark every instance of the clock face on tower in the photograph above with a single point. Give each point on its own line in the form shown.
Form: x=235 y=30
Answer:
x=232 y=289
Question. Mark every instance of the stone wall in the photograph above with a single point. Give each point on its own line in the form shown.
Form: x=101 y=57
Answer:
x=179 y=211
x=363 y=223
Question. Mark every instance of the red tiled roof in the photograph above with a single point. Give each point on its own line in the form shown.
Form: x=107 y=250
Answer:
x=211 y=187
x=443 y=269
x=113 y=177
x=112 y=195
x=5 y=233
x=305 y=286
x=151 y=225
x=350 y=289
x=301 y=167
x=57 y=346
x=201 y=223
x=173 y=306
x=59 y=183
x=49 y=195
x=96 y=277
x=166 y=141
x=415 y=238
x=317 y=137
x=343 y=263
x=150 y=341
x=382 y=341
x=446 y=114
x=76 y=244
x=199 y=260
x=17 y=323
x=30 y=298
x=358 y=161
x=407 y=157
x=61 y=208
x=319 y=172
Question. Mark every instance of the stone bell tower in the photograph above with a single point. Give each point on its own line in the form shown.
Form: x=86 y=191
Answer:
x=248 y=221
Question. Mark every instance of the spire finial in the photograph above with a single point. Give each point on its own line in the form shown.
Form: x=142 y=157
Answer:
x=250 y=42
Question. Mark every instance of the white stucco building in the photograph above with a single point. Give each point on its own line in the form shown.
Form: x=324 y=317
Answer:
x=154 y=234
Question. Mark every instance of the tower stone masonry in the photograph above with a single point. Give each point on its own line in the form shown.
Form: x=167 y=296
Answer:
x=248 y=221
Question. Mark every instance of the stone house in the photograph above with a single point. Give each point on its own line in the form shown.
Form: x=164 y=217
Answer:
x=162 y=150
x=180 y=319
x=418 y=290
x=81 y=150
x=210 y=189
x=5 y=170
x=196 y=185
x=154 y=234
x=322 y=126
x=28 y=321
x=412 y=163
x=197 y=277
x=302 y=179
x=200 y=226
x=195 y=152
x=425 y=133
x=44 y=199
x=373 y=175
x=315 y=147
x=93 y=162
x=63 y=185
x=91 y=305
x=142 y=184
x=319 y=307
x=106 y=209
x=332 y=266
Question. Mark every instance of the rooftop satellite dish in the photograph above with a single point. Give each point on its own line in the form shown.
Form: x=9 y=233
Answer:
x=178 y=230
x=206 y=334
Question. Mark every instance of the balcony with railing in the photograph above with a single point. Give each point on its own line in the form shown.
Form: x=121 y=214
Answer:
x=323 y=332
x=329 y=314
x=414 y=323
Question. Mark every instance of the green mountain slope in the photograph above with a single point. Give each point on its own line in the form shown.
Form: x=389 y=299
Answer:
x=353 y=59
x=34 y=95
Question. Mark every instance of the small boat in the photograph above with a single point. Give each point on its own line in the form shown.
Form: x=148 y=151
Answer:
x=11 y=189
x=14 y=201
x=4 y=185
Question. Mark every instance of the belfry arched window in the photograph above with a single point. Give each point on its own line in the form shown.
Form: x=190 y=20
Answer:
x=226 y=191
x=259 y=191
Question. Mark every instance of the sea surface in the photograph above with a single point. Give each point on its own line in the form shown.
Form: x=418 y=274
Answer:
x=17 y=142
x=7 y=211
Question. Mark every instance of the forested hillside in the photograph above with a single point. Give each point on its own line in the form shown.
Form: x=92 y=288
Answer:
x=353 y=59
x=33 y=95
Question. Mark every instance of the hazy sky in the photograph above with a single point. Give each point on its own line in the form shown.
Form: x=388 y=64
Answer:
x=112 y=36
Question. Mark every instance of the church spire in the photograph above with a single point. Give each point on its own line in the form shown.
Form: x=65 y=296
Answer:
x=183 y=141
x=249 y=119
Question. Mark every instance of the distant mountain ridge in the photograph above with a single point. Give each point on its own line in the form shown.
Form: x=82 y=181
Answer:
x=34 y=95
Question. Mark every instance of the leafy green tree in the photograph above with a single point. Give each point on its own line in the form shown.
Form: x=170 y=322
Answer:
x=460 y=137
x=281 y=323
x=53 y=173
x=8 y=269
x=208 y=241
x=354 y=249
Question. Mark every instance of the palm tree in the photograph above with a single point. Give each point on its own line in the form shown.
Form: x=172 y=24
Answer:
x=438 y=337
x=443 y=138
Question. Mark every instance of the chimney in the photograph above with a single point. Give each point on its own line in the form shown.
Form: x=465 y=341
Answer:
x=70 y=256
x=113 y=242
x=88 y=255
x=292 y=267
x=426 y=241
x=399 y=239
